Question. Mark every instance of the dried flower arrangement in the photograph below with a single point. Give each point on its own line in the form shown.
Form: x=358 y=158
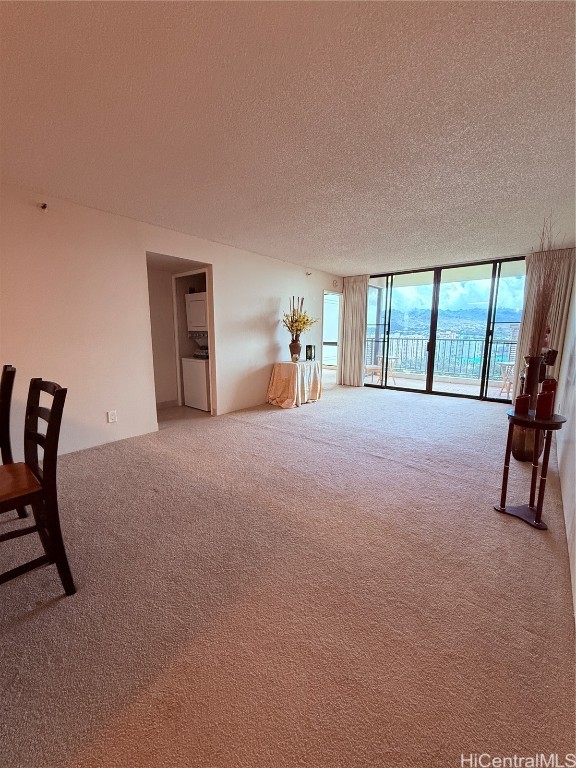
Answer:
x=297 y=321
x=544 y=289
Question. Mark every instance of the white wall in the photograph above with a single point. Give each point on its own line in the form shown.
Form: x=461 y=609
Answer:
x=75 y=308
x=163 y=344
x=250 y=294
x=566 y=437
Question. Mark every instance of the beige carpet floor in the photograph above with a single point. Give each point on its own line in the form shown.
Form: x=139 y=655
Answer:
x=323 y=587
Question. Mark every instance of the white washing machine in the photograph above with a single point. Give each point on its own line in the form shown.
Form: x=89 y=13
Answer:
x=195 y=378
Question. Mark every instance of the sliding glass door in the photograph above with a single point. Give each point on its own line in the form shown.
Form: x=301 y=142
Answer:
x=450 y=330
x=462 y=331
x=507 y=315
x=398 y=330
x=409 y=329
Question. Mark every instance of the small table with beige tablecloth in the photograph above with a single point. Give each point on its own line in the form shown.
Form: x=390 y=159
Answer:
x=292 y=384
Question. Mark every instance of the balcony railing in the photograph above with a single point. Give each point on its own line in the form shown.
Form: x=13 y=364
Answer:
x=460 y=358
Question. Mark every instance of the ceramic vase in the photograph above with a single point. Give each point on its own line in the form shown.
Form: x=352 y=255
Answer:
x=295 y=350
x=523 y=439
x=533 y=364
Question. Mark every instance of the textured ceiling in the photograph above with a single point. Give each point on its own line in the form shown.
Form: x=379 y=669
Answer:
x=349 y=137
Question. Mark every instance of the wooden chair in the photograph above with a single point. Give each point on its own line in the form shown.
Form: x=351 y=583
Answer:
x=6 y=387
x=31 y=483
x=506 y=372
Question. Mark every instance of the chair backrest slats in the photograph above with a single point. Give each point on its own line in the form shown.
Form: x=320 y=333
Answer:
x=6 y=387
x=49 y=442
x=41 y=412
x=49 y=387
x=38 y=437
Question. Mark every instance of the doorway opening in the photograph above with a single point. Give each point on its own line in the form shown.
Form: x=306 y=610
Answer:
x=449 y=330
x=170 y=279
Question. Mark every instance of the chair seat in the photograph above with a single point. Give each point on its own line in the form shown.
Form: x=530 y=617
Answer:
x=16 y=481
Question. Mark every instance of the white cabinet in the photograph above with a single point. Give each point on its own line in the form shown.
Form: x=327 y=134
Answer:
x=196 y=315
x=195 y=377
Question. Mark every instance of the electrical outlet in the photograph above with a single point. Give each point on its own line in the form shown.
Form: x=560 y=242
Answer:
x=112 y=416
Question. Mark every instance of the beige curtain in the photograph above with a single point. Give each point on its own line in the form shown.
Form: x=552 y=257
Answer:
x=561 y=263
x=351 y=363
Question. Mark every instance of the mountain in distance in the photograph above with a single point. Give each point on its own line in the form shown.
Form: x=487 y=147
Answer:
x=479 y=315
x=469 y=322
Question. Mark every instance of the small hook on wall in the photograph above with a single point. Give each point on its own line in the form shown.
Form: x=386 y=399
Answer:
x=308 y=274
x=43 y=206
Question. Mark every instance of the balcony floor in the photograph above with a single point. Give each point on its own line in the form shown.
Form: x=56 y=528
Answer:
x=449 y=386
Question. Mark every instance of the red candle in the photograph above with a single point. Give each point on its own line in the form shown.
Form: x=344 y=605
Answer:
x=550 y=385
x=521 y=405
x=544 y=405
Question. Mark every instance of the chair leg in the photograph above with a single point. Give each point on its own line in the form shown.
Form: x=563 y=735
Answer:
x=50 y=534
x=64 y=569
